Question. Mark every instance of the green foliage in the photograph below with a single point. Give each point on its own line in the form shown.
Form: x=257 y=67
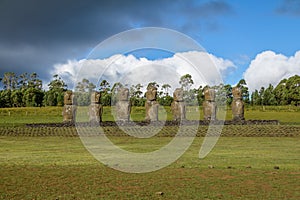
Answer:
x=106 y=98
x=165 y=88
x=9 y=81
x=17 y=98
x=136 y=98
x=293 y=90
x=104 y=86
x=82 y=98
x=165 y=100
x=245 y=92
x=287 y=92
x=26 y=90
x=135 y=101
x=269 y=96
x=33 y=97
x=186 y=82
x=189 y=95
x=55 y=95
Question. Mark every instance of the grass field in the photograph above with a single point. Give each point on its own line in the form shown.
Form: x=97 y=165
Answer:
x=20 y=116
x=57 y=166
x=61 y=168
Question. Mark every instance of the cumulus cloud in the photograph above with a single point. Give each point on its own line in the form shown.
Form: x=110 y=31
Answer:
x=269 y=68
x=205 y=69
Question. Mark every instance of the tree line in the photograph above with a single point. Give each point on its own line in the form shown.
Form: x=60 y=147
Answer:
x=27 y=90
x=287 y=92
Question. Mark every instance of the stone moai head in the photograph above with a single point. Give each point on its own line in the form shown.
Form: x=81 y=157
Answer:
x=151 y=93
x=209 y=94
x=123 y=94
x=68 y=98
x=95 y=97
x=178 y=94
x=237 y=93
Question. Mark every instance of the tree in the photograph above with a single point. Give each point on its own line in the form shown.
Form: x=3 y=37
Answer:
x=17 y=98
x=57 y=83
x=5 y=99
x=200 y=95
x=9 y=81
x=85 y=86
x=261 y=95
x=34 y=81
x=106 y=95
x=136 y=98
x=104 y=86
x=223 y=94
x=293 y=90
x=165 y=100
x=186 y=82
x=55 y=95
x=165 y=87
x=245 y=91
x=23 y=81
x=33 y=97
x=135 y=90
x=255 y=98
x=2 y=99
x=268 y=96
x=281 y=93
x=83 y=91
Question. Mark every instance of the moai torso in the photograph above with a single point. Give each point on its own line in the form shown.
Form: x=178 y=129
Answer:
x=95 y=109
x=69 y=109
x=68 y=98
x=178 y=105
x=151 y=104
x=237 y=104
x=123 y=107
x=95 y=98
x=209 y=104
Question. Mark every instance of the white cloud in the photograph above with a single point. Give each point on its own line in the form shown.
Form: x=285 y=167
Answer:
x=205 y=68
x=269 y=67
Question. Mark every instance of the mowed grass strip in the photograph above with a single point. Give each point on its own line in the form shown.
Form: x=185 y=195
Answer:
x=286 y=115
x=239 y=168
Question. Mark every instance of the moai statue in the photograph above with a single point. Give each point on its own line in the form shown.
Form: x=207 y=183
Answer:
x=209 y=105
x=178 y=105
x=237 y=104
x=95 y=109
x=69 y=110
x=151 y=104
x=123 y=105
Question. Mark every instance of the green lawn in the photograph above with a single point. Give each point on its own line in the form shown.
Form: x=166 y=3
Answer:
x=61 y=168
x=20 y=116
x=50 y=163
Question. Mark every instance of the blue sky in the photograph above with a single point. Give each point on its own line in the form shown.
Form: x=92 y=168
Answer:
x=35 y=36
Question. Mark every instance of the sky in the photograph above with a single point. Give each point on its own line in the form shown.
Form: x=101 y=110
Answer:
x=254 y=40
